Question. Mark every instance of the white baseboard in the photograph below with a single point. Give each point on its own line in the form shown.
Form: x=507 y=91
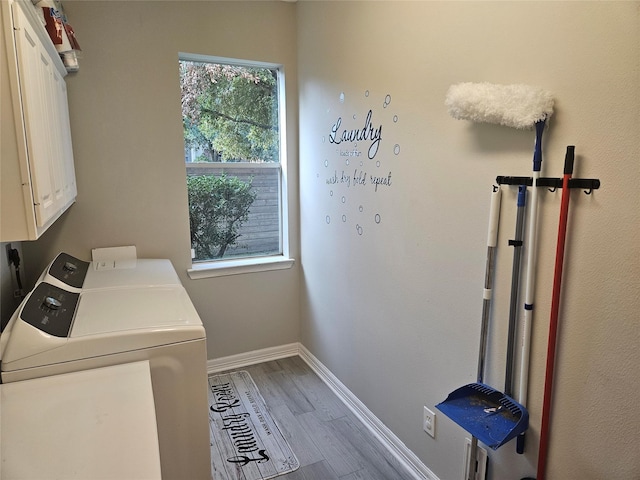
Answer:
x=251 y=358
x=393 y=444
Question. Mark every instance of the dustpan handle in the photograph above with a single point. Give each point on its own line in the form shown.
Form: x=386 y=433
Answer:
x=494 y=217
x=492 y=241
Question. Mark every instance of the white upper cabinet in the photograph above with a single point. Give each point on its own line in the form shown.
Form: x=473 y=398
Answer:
x=38 y=176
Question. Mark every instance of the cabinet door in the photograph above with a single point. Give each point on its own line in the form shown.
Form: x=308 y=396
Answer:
x=46 y=124
x=63 y=135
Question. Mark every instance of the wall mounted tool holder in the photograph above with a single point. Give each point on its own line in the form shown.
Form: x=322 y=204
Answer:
x=587 y=184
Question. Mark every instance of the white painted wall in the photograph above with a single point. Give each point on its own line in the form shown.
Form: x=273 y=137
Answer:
x=395 y=311
x=127 y=133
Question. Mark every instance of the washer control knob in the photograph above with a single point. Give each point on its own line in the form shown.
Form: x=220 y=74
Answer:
x=69 y=267
x=52 y=303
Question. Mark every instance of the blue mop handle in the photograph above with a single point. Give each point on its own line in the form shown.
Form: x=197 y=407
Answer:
x=537 y=152
x=522 y=195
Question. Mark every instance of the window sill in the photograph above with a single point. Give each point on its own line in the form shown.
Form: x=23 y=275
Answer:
x=222 y=268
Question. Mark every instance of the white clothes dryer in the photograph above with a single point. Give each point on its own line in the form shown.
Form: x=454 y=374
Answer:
x=75 y=275
x=57 y=331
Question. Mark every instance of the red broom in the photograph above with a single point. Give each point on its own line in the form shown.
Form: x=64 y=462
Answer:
x=553 y=321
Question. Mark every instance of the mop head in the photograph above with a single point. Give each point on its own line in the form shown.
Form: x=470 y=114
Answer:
x=517 y=106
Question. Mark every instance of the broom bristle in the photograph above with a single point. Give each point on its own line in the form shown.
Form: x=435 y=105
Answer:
x=517 y=106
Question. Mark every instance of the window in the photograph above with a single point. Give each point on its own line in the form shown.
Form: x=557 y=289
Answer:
x=232 y=114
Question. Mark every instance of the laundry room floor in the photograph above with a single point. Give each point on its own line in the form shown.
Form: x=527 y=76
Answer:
x=328 y=439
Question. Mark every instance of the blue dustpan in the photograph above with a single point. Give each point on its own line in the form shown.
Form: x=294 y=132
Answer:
x=489 y=415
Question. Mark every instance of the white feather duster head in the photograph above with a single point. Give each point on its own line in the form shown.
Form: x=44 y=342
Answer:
x=517 y=106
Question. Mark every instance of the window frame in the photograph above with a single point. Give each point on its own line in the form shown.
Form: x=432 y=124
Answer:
x=256 y=263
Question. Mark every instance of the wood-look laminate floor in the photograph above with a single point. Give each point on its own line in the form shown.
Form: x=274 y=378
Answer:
x=328 y=439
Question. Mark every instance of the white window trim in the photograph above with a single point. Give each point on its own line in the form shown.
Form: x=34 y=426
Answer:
x=236 y=266
x=221 y=268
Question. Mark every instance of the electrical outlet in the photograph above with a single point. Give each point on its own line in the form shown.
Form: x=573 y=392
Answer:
x=429 y=422
x=482 y=461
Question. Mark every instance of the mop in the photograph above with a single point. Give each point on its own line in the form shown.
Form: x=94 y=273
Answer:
x=521 y=107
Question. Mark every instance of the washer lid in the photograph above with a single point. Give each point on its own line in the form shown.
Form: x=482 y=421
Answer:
x=135 y=308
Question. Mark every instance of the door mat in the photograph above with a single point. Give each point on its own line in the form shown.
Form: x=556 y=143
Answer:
x=246 y=443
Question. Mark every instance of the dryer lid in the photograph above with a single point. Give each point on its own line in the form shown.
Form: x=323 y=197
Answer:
x=139 y=272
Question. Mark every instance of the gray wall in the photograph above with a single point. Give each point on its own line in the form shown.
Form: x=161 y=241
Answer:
x=392 y=304
x=8 y=282
x=394 y=312
x=129 y=153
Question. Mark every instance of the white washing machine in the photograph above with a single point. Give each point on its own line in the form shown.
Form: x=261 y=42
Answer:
x=57 y=331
